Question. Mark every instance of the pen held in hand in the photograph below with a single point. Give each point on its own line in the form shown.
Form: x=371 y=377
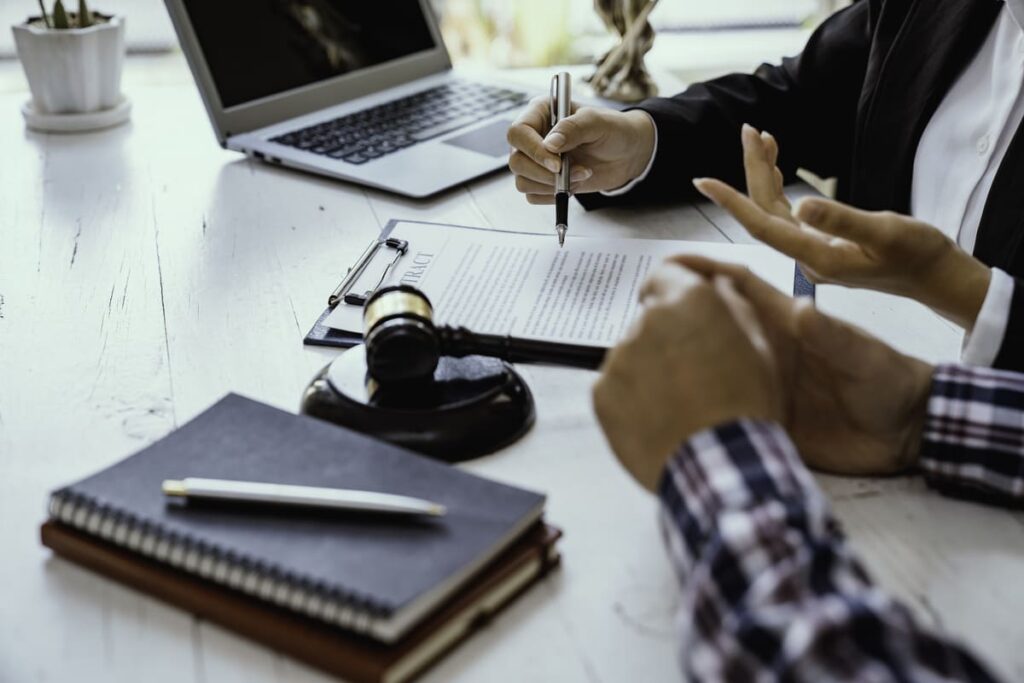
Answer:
x=561 y=107
x=299 y=496
x=561 y=215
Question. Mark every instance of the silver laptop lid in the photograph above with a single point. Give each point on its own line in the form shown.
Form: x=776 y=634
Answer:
x=260 y=62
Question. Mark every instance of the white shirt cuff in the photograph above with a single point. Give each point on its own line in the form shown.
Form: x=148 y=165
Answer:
x=982 y=343
x=640 y=178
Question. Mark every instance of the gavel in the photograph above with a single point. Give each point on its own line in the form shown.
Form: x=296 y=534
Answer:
x=404 y=345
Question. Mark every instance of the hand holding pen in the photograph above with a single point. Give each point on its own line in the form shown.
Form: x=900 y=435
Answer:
x=608 y=148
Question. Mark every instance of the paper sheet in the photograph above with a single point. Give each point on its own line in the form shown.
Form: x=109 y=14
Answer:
x=524 y=285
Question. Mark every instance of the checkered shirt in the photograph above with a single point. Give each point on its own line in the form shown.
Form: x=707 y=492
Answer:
x=772 y=591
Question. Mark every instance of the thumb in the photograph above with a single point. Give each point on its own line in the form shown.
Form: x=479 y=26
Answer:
x=743 y=314
x=581 y=128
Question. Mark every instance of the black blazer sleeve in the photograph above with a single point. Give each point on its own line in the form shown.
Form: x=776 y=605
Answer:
x=809 y=103
x=1011 y=352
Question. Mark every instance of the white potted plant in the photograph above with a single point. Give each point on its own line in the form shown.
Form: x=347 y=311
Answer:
x=73 y=63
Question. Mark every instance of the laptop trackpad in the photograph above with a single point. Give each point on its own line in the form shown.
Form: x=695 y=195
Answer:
x=489 y=139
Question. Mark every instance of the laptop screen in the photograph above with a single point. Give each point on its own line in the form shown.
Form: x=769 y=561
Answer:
x=259 y=48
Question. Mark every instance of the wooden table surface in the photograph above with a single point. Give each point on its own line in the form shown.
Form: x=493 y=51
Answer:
x=145 y=272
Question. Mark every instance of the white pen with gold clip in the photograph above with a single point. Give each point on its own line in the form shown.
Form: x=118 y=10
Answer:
x=302 y=496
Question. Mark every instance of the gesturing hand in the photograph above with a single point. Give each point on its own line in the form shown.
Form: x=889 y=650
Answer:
x=607 y=149
x=855 y=405
x=838 y=244
x=695 y=358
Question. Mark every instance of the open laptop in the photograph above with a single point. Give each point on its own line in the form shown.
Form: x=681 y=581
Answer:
x=357 y=90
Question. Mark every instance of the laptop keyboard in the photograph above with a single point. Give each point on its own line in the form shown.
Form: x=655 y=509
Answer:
x=372 y=133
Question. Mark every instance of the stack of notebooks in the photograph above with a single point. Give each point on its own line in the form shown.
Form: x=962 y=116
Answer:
x=365 y=597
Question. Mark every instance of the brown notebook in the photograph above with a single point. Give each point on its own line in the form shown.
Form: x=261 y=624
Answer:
x=355 y=658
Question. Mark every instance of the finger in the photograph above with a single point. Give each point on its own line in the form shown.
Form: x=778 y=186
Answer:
x=760 y=173
x=583 y=127
x=774 y=308
x=771 y=147
x=772 y=150
x=526 y=134
x=668 y=282
x=523 y=166
x=743 y=313
x=772 y=230
x=540 y=199
x=578 y=174
x=864 y=227
x=597 y=182
x=703 y=265
x=527 y=186
x=761 y=294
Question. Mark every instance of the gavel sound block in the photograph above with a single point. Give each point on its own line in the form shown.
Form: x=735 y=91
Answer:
x=469 y=407
x=445 y=392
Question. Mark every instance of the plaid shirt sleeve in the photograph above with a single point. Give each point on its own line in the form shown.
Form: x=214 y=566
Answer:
x=973 y=440
x=771 y=589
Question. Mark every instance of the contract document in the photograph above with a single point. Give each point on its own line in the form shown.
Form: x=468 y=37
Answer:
x=523 y=284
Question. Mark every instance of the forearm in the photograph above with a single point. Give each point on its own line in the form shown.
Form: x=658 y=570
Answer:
x=955 y=287
x=972 y=444
x=771 y=589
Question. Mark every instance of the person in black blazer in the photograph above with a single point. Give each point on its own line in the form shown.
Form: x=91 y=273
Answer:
x=853 y=105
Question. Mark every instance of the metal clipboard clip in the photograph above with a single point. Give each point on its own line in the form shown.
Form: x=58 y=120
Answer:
x=342 y=292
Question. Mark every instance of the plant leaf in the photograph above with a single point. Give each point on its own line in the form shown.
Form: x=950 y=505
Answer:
x=60 y=17
x=46 y=17
x=85 y=18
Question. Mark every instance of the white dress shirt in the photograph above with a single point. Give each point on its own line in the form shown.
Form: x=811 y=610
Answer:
x=957 y=158
x=959 y=155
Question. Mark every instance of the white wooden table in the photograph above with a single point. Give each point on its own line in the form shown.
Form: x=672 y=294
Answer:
x=144 y=273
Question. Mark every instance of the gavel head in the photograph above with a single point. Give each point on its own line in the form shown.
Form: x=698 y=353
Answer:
x=402 y=343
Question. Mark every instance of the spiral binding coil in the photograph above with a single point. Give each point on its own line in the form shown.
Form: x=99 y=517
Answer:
x=234 y=570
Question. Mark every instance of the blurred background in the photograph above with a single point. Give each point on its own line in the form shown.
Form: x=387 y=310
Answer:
x=544 y=32
x=535 y=33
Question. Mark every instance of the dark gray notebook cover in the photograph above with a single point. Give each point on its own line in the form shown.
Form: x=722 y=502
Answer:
x=382 y=562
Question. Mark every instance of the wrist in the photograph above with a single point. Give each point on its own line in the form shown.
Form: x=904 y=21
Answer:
x=643 y=137
x=960 y=284
x=731 y=398
x=917 y=413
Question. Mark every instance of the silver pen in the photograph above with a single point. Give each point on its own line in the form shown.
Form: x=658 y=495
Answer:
x=304 y=496
x=561 y=107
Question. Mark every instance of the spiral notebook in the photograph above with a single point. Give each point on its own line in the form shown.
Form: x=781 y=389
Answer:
x=373 y=575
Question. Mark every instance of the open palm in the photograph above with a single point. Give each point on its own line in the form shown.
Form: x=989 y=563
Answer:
x=838 y=244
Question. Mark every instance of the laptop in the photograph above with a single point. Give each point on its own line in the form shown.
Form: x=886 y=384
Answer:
x=362 y=91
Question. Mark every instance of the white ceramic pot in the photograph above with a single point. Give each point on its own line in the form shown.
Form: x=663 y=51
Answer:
x=74 y=70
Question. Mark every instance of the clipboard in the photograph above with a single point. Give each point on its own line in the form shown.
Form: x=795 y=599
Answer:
x=384 y=254
x=390 y=250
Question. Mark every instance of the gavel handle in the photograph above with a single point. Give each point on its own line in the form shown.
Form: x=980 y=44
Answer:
x=458 y=341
